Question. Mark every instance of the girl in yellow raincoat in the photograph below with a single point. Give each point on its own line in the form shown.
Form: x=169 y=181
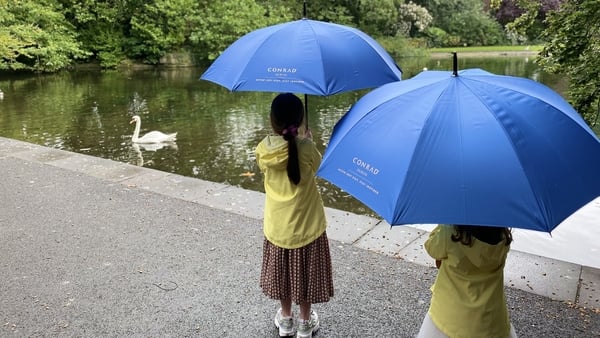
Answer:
x=296 y=264
x=468 y=298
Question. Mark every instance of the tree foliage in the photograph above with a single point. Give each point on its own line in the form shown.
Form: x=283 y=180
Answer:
x=223 y=22
x=524 y=20
x=161 y=26
x=35 y=36
x=102 y=27
x=462 y=22
x=344 y=12
x=572 y=48
x=379 y=17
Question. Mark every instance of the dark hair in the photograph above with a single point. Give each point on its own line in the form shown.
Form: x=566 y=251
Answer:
x=487 y=234
x=287 y=112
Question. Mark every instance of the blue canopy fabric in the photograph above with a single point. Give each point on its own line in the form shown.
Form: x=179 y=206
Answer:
x=303 y=56
x=473 y=149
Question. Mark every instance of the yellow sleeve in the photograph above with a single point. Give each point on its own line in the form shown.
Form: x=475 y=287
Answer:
x=436 y=244
x=312 y=154
x=316 y=159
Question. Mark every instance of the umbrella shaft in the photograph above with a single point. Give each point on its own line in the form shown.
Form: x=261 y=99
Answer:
x=306 y=110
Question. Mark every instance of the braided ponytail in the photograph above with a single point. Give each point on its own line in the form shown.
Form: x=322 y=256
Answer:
x=287 y=112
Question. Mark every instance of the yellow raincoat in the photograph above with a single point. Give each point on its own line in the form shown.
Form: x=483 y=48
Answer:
x=294 y=215
x=468 y=294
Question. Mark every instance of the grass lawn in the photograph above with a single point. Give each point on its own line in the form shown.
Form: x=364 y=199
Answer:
x=483 y=49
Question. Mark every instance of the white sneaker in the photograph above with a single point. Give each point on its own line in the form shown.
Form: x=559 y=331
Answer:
x=285 y=325
x=306 y=328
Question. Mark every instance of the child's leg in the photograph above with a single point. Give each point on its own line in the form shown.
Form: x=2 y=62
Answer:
x=304 y=311
x=286 y=307
x=308 y=322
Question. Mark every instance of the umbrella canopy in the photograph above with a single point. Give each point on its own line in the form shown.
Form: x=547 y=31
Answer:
x=303 y=56
x=465 y=147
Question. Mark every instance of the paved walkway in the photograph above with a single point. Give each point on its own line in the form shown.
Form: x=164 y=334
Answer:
x=91 y=247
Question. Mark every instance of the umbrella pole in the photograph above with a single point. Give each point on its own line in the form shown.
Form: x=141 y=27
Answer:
x=304 y=9
x=306 y=110
x=597 y=113
x=454 y=64
x=305 y=95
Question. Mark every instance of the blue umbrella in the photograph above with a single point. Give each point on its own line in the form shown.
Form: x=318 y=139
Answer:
x=466 y=147
x=303 y=56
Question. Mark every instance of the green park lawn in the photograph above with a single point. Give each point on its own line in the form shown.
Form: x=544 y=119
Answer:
x=483 y=49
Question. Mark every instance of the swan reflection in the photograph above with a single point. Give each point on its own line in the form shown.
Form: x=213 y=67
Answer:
x=154 y=146
x=138 y=150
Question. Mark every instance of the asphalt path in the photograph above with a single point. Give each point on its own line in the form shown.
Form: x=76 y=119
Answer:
x=81 y=256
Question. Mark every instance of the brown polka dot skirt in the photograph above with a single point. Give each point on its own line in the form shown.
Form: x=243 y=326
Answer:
x=302 y=275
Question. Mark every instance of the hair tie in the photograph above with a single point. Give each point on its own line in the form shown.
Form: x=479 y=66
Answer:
x=293 y=130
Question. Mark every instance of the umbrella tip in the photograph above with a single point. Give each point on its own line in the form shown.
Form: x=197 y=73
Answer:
x=454 y=64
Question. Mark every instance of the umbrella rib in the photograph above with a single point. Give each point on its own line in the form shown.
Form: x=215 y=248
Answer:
x=411 y=168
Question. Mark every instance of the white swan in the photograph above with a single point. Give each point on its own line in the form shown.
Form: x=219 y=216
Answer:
x=151 y=137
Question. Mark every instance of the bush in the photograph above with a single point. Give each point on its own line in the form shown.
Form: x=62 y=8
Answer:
x=399 y=47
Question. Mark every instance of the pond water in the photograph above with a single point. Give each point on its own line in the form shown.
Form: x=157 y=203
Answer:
x=88 y=111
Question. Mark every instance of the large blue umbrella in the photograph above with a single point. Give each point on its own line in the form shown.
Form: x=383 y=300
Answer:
x=466 y=147
x=303 y=56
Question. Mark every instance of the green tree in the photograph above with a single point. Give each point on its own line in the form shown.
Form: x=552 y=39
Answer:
x=34 y=35
x=277 y=9
x=102 y=26
x=161 y=26
x=524 y=20
x=221 y=22
x=572 y=48
x=378 y=18
x=343 y=12
x=465 y=22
